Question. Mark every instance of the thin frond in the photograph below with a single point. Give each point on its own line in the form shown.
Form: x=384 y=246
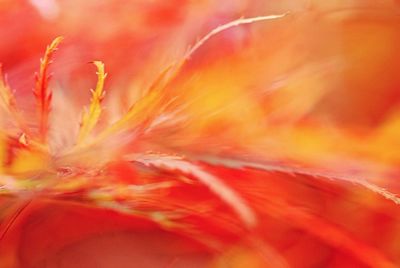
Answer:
x=9 y=105
x=143 y=109
x=234 y=163
x=153 y=95
x=227 y=26
x=217 y=186
x=91 y=117
x=7 y=99
x=41 y=91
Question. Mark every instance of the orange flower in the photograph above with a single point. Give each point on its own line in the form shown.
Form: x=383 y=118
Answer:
x=270 y=142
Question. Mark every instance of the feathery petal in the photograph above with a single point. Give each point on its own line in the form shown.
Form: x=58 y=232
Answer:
x=41 y=91
x=91 y=117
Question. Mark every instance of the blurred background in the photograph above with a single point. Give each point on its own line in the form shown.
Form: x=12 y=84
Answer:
x=317 y=91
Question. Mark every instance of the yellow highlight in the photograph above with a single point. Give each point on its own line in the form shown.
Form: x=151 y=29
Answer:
x=91 y=117
x=29 y=162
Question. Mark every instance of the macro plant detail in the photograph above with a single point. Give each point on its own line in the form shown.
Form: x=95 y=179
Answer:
x=259 y=145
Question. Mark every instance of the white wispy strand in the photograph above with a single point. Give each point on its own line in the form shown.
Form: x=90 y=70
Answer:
x=227 y=26
x=217 y=186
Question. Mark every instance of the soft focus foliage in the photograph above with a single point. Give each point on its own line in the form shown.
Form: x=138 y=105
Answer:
x=220 y=136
